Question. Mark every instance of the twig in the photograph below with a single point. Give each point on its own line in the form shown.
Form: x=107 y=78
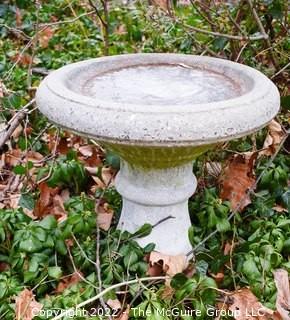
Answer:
x=16 y=31
x=82 y=250
x=262 y=30
x=14 y=123
x=225 y=35
x=281 y=70
x=54 y=158
x=162 y=220
x=76 y=270
x=238 y=207
x=43 y=27
x=33 y=46
x=56 y=23
x=104 y=22
x=101 y=294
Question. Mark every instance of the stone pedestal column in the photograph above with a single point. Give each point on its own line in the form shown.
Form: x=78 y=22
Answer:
x=150 y=195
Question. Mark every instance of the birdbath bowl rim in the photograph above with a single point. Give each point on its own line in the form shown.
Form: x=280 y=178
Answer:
x=66 y=98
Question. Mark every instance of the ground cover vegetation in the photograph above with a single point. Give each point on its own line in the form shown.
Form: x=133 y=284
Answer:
x=59 y=246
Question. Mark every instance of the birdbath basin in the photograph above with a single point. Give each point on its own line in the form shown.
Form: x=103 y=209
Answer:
x=158 y=112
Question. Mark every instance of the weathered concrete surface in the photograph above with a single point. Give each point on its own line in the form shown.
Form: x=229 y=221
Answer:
x=150 y=196
x=158 y=111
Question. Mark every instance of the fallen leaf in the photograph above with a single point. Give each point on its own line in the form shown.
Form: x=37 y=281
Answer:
x=273 y=139
x=17 y=132
x=167 y=293
x=65 y=194
x=246 y=306
x=4 y=266
x=26 y=306
x=121 y=29
x=213 y=168
x=279 y=208
x=18 y=17
x=49 y=202
x=86 y=150
x=44 y=200
x=219 y=277
x=236 y=180
x=23 y=59
x=163 y=4
x=57 y=208
x=68 y=282
x=114 y=304
x=16 y=156
x=2 y=90
x=171 y=265
x=104 y=220
x=283 y=293
x=44 y=37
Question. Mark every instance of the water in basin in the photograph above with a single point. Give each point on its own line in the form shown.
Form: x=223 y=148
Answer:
x=161 y=85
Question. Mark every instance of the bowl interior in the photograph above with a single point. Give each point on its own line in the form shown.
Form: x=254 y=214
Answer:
x=161 y=84
x=156 y=82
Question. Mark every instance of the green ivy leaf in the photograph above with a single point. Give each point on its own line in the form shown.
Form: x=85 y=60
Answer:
x=49 y=222
x=54 y=272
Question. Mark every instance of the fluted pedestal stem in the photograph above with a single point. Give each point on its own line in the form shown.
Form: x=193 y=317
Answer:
x=152 y=195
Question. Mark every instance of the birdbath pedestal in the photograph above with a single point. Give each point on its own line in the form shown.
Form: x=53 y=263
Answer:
x=158 y=112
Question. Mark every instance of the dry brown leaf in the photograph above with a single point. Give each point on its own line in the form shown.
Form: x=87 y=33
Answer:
x=14 y=157
x=26 y=306
x=18 y=17
x=213 y=168
x=86 y=150
x=283 y=293
x=90 y=156
x=237 y=178
x=1 y=89
x=246 y=306
x=167 y=293
x=13 y=203
x=43 y=203
x=65 y=194
x=121 y=29
x=164 y=4
x=4 y=266
x=218 y=277
x=279 y=208
x=68 y=282
x=22 y=59
x=273 y=139
x=57 y=208
x=171 y=265
x=17 y=132
x=114 y=304
x=44 y=37
x=49 y=202
x=104 y=220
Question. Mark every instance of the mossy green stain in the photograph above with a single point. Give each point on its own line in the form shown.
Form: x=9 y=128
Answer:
x=157 y=157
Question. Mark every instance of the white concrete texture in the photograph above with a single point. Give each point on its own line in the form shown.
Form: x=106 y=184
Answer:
x=152 y=195
x=158 y=112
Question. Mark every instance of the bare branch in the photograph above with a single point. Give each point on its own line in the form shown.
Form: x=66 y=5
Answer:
x=101 y=294
x=225 y=35
x=262 y=30
x=13 y=124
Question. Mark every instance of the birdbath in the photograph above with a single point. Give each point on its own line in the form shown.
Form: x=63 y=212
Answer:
x=158 y=112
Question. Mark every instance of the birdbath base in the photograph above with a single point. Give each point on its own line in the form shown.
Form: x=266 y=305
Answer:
x=158 y=197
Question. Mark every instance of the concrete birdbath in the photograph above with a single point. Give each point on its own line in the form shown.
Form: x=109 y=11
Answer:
x=158 y=112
